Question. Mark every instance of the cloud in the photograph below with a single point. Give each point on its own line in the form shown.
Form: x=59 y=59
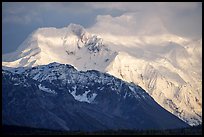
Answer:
x=130 y=18
x=184 y=19
x=66 y=7
x=129 y=24
x=23 y=19
x=146 y=6
x=50 y=13
x=114 y=25
x=32 y=12
x=21 y=13
x=123 y=6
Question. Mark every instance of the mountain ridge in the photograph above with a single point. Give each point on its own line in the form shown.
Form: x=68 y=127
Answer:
x=57 y=95
x=154 y=62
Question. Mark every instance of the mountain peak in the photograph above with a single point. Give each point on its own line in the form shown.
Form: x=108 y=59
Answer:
x=64 y=45
x=159 y=63
x=76 y=29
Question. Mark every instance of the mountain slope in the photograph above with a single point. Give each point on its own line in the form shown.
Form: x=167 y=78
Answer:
x=167 y=66
x=57 y=96
x=71 y=45
x=169 y=88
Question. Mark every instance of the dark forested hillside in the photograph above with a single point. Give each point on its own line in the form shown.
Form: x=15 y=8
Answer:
x=17 y=130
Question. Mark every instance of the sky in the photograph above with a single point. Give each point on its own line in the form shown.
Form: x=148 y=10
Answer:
x=19 y=19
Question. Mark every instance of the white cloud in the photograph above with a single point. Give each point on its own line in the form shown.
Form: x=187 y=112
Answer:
x=135 y=17
x=184 y=19
x=129 y=24
x=114 y=25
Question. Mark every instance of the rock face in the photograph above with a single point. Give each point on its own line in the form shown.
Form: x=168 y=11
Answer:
x=57 y=96
x=166 y=66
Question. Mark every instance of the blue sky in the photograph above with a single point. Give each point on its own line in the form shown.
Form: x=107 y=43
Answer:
x=20 y=18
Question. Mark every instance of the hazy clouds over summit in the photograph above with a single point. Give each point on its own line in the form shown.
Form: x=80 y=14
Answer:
x=21 y=18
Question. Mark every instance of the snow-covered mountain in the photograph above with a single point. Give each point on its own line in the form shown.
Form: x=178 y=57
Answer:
x=167 y=66
x=57 y=96
x=72 y=45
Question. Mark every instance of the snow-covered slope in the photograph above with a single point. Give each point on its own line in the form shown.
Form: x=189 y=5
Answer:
x=57 y=96
x=167 y=66
x=71 y=45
